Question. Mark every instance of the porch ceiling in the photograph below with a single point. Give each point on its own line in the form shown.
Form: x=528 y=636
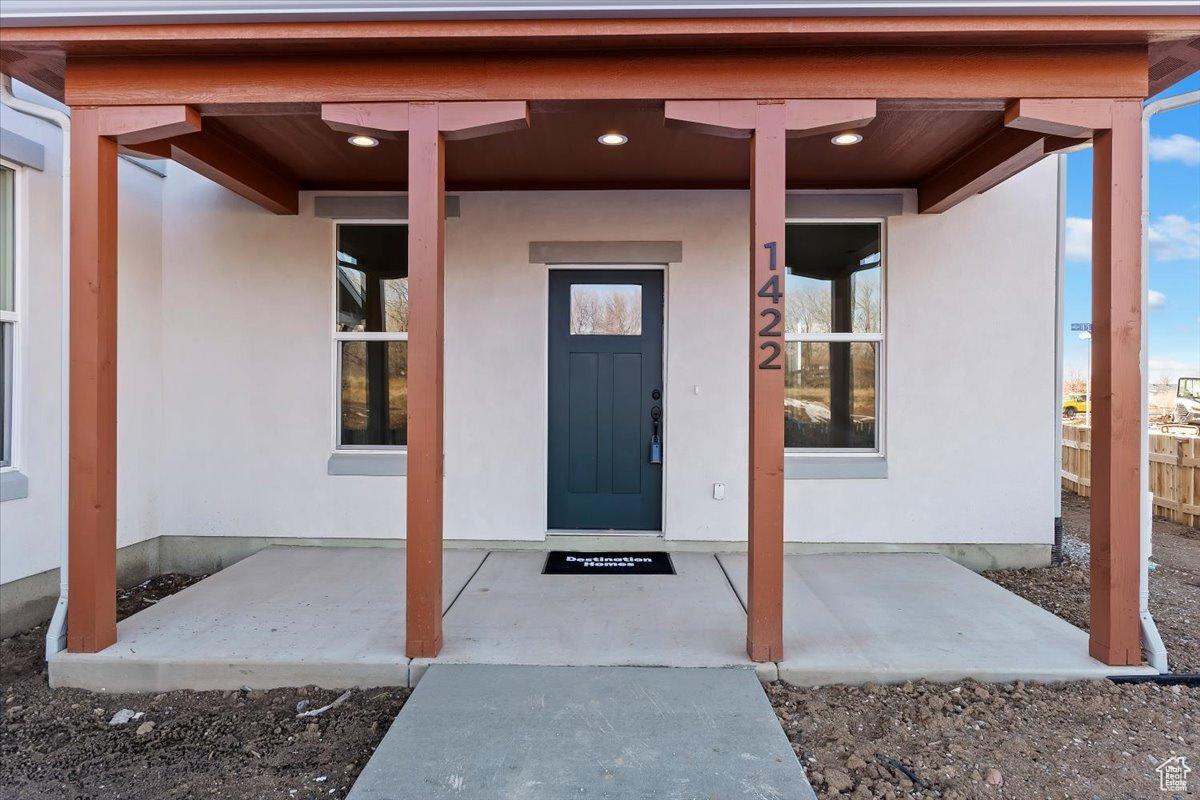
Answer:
x=906 y=142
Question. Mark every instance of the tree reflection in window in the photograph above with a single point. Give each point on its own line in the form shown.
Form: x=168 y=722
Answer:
x=834 y=328
x=606 y=309
x=372 y=332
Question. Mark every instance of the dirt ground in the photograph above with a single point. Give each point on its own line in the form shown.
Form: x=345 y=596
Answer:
x=1174 y=583
x=58 y=744
x=1086 y=740
x=966 y=741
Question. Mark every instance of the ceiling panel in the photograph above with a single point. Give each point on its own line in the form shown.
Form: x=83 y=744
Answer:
x=559 y=150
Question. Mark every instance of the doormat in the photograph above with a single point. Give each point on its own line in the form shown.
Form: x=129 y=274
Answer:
x=563 y=562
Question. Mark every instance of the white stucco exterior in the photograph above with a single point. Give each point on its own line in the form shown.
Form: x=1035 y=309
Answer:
x=226 y=380
x=29 y=526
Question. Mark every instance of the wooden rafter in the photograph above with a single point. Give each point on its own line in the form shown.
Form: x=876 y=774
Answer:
x=225 y=160
x=993 y=159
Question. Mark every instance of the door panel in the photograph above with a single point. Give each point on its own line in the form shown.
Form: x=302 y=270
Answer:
x=605 y=379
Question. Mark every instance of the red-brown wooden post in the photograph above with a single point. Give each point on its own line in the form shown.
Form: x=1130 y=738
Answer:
x=92 y=514
x=768 y=123
x=1117 y=384
x=92 y=395
x=429 y=125
x=768 y=189
x=426 y=296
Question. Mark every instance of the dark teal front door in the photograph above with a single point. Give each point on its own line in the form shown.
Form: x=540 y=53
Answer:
x=606 y=400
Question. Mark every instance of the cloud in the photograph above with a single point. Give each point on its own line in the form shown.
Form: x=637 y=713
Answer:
x=1172 y=367
x=1079 y=239
x=1176 y=147
x=1174 y=238
x=1156 y=299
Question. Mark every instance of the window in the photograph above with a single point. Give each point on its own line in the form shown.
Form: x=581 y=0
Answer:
x=600 y=309
x=834 y=336
x=9 y=318
x=371 y=336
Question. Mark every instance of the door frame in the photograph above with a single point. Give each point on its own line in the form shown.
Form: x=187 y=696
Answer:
x=545 y=404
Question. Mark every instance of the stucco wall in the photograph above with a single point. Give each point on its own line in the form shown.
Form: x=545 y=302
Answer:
x=29 y=527
x=247 y=375
x=971 y=402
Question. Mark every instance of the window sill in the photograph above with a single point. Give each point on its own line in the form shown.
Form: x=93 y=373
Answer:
x=13 y=485
x=833 y=467
x=349 y=462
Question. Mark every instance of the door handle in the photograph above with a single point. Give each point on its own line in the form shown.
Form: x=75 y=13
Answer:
x=655 y=441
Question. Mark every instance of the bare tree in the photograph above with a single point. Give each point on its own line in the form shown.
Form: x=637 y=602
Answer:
x=597 y=311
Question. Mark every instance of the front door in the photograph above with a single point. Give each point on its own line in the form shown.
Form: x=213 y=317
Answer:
x=606 y=400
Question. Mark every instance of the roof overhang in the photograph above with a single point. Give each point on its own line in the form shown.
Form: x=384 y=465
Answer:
x=21 y=13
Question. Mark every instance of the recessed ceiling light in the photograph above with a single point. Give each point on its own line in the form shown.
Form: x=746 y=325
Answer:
x=360 y=140
x=847 y=138
x=613 y=139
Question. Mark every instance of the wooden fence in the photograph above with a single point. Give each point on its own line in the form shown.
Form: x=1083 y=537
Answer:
x=1174 y=471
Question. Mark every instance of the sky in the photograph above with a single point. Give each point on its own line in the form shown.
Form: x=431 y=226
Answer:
x=1174 y=282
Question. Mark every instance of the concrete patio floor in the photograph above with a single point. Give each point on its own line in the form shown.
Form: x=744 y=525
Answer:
x=334 y=617
x=895 y=617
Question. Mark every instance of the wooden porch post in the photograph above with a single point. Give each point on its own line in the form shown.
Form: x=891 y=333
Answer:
x=92 y=515
x=768 y=124
x=92 y=395
x=768 y=189
x=429 y=126
x=1117 y=384
x=426 y=300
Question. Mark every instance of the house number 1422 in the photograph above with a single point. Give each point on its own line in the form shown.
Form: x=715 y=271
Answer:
x=772 y=317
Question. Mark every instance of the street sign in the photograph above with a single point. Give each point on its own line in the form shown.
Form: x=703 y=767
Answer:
x=1081 y=326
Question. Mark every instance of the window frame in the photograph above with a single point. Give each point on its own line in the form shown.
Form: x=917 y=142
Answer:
x=10 y=403
x=336 y=447
x=879 y=452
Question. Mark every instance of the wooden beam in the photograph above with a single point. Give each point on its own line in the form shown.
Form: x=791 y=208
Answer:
x=375 y=119
x=426 y=300
x=131 y=125
x=738 y=119
x=457 y=121
x=1073 y=117
x=1117 y=385
x=435 y=35
x=468 y=120
x=92 y=504
x=730 y=119
x=768 y=189
x=816 y=73
x=226 y=161
x=995 y=158
x=815 y=117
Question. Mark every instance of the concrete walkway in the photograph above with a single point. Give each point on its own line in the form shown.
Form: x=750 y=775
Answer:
x=476 y=732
